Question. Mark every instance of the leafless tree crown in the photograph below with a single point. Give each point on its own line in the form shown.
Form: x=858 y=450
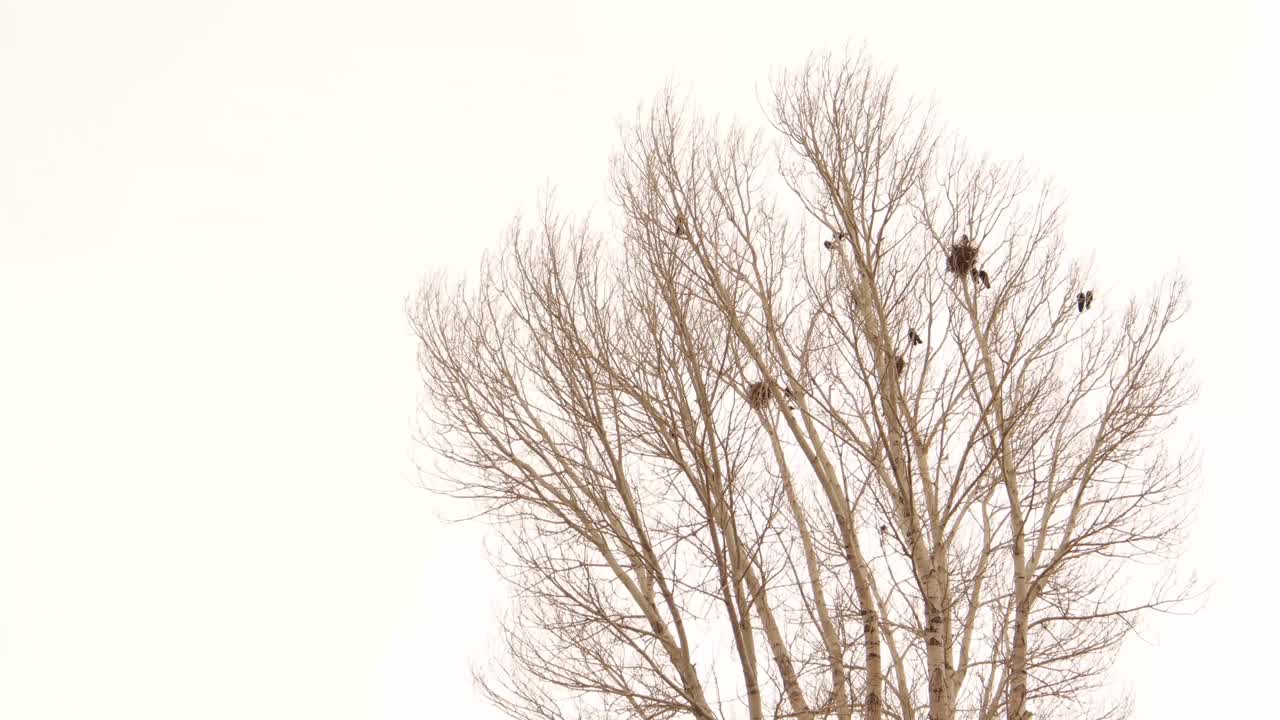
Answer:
x=742 y=470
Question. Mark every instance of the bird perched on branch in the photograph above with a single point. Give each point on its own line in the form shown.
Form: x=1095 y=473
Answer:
x=682 y=225
x=913 y=336
x=1084 y=300
x=985 y=278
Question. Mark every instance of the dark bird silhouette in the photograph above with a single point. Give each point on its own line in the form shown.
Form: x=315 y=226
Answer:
x=1088 y=299
x=828 y=245
x=913 y=336
x=1080 y=302
x=682 y=226
x=840 y=235
x=985 y=278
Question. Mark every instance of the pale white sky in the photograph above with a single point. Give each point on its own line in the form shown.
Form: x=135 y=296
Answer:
x=211 y=213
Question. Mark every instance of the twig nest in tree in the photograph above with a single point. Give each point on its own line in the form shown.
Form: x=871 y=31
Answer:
x=759 y=394
x=962 y=257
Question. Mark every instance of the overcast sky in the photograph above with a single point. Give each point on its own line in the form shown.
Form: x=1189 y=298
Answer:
x=211 y=214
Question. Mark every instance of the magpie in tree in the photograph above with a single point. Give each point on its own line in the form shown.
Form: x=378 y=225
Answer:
x=682 y=225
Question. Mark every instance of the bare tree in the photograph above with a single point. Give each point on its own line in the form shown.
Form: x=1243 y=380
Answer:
x=742 y=471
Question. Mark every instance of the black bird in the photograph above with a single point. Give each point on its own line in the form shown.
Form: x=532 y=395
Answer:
x=682 y=226
x=1080 y=302
x=1088 y=299
x=828 y=245
x=985 y=278
x=913 y=336
x=841 y=235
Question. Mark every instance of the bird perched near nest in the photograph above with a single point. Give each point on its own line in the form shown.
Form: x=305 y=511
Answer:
x=962 y=257
x=985 y=278
x=913 y=336
x=682 y=225
x=791 y=397
x=1084 y=300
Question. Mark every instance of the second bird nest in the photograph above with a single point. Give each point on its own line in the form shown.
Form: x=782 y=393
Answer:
x=962 y=258
x=759 y=394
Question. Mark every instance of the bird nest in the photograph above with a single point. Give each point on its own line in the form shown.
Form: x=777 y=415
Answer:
x=759 y=394
x=963 y=257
